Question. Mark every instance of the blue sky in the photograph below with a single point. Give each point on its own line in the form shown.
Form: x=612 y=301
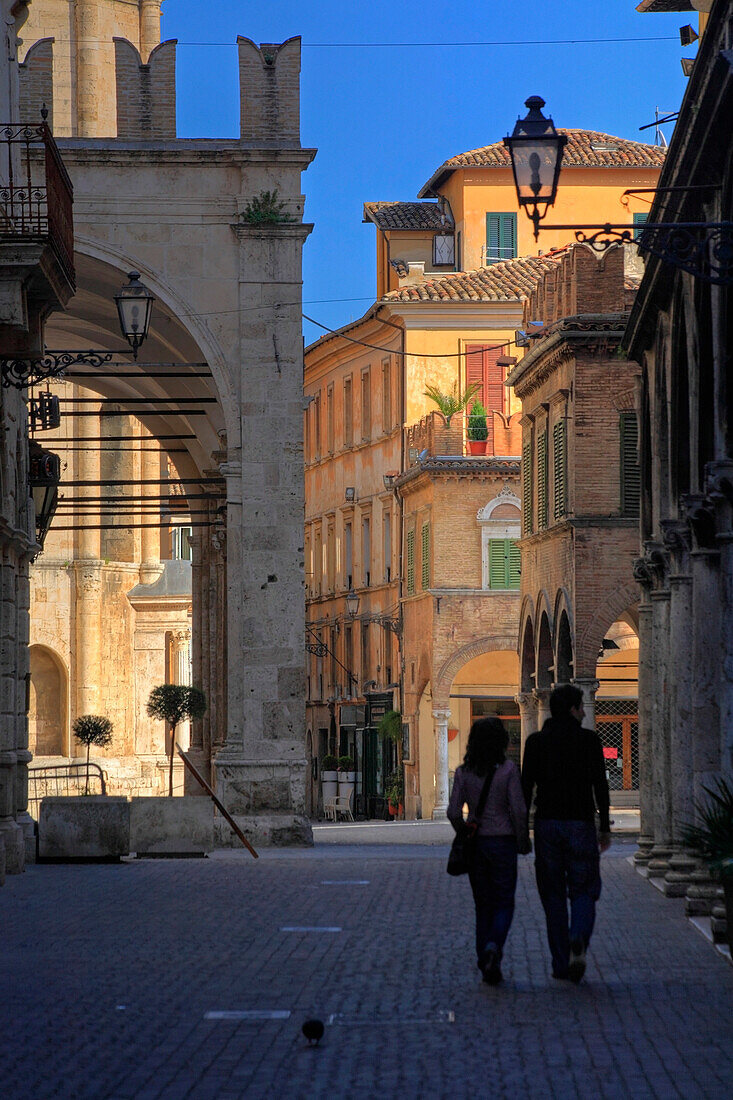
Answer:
x=384 y=117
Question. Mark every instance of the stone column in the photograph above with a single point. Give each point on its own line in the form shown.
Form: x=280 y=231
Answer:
x=706 y=661
x=149 y=27
x=441 y=716
x=11 y=835
x=661 y=783
x=24 y=757
x=646 y=757
x=89 y=67
x=527 y=715
x=262 y=767
x=199 y=750
x=542 y=703
x=88 y=585
x=719 y=482
x=150 y=567
x=589 y=686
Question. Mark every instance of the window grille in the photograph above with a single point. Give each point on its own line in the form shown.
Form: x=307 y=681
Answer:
x=630 y=472
x=617 y=725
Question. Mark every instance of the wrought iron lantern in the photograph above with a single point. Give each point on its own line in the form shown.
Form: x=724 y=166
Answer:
x=352 y=603
x=44 y=478
x=536 y=150
x=134 y=306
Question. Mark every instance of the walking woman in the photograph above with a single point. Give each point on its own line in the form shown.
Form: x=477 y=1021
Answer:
x=501 y=833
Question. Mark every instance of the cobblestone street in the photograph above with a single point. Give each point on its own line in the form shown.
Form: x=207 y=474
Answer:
x=117 y=968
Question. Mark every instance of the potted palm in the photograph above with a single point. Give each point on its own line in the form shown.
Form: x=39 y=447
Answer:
x=329 y=777
x=477 y=429
x=712 y=840
x=346 y=777
x=395 y=792
x=450 y=403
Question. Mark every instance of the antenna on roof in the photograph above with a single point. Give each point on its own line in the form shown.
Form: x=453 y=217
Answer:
x=659 y=138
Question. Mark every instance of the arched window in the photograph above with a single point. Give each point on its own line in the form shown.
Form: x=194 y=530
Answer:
x=500 y=522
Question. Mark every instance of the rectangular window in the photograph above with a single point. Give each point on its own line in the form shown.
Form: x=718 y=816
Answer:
x=482 y=369
x=348 y=555
x=181 y=541
x=630 y=472
x=348 y=413
x=317 y=427
x=365 y=655
x=329 y=420
x=317 y=561
x=542 y=509
x=527 y=488
x=331 y=556
x=501 y=237
x=366 y=551
x=307 y=441
x=559 y=469
x=366 y=405
x=504 y=563
x=425 y=558
x=308 y=562
x=386 y=396
x=349 y=653
x=410 y=563
x=387 y=545
x=444 y=249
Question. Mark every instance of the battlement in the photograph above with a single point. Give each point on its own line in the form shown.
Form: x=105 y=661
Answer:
x=146 y=93
x=269 y=91
x=582 y=281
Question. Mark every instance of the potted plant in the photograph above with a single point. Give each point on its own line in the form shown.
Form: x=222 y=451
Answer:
x=329 y=777
x=92 y=729
x=346 y=777
x=477 y=430
x=395 y=792
x=712 y=839
x=174 y=703
x=450 y=403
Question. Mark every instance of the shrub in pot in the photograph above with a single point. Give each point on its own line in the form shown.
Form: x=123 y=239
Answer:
x=712 y=840
x=477 y=429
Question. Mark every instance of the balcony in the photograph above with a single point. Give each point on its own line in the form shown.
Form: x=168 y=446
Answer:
x=434 y=438
x=36 y=220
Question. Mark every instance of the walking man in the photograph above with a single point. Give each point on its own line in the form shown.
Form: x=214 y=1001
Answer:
x=564 y=762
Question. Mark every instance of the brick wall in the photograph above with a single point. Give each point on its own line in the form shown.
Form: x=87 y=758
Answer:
x=35 y=77
x=269 y=90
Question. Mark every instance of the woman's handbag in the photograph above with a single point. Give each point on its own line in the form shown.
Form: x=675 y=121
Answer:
x=461 y=855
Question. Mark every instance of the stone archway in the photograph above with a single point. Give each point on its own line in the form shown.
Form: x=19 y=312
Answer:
x=48 y=733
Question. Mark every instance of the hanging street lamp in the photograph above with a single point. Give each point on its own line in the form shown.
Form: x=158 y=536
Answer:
x=352 y=603
x=134 y=306
x=536 y=150
x=44 y=476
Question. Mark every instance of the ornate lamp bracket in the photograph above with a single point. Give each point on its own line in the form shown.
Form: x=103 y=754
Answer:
x=24 y=373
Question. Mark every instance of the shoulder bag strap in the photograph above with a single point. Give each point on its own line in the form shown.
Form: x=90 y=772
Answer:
x=481 y=804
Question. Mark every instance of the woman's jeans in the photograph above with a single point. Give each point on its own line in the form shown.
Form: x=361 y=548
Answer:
x=567 y=864
x=493 y=879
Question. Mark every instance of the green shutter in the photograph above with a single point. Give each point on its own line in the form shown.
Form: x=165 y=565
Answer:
x=501 y=237
x=559 y=469
x=542 y=513
x=630 y=473
x=410 y=563
x=515 y=564
x=497 y=563
x=527 y=488
x=425 y=533
x=639 y=220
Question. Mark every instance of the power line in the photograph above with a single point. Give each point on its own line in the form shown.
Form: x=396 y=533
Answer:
x=454 y=45
x=420 y=355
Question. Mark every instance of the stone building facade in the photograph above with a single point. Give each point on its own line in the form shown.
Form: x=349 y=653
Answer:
x=680 y=332
x=580 y=504
x=36 y=277
x=219 y=381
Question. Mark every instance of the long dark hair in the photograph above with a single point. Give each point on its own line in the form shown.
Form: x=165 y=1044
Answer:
x=486 y=746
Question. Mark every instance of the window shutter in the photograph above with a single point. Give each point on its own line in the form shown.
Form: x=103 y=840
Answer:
x=640 y=220
x=630 y=472
x=559 y=455
x=475 y=368
x=542 y=511
x=410 y=563
x=501 y=237
x=527 y=489
x=498 y=563
x=482 y=368
x=515 y=564
x=425 y=555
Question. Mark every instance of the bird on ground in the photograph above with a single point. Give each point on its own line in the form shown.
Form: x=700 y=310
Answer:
x=313 y=1031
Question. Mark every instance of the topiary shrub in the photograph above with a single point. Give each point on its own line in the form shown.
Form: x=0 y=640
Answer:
x=92 y=729
x=174 y=703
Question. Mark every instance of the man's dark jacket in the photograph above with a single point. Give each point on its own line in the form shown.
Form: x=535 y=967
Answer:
x=565 y=763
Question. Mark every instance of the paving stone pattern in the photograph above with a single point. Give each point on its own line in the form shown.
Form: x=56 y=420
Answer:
x=115 y=968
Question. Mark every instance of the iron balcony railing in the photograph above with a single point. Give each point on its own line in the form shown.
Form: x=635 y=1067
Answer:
x=60 y=780
x=36 y=194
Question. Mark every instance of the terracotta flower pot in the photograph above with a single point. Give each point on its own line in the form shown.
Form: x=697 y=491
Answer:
x=477 y=446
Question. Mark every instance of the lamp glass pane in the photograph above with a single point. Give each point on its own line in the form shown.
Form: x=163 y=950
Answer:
x=535 y=163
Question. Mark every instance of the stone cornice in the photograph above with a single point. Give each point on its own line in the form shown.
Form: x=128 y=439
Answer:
x=460 y=467
x=561 y=342
x=297 y=231
x=113 y=151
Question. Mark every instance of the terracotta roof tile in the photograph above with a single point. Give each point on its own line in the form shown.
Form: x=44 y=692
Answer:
x=585 y=149
x=406 y=215
x=503 y=282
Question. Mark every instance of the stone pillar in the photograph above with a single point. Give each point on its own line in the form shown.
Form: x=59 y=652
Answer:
x=719 y=482
x=149 y=28
x=441 y=716
x=11 y=835
x=707 y=638
x=542 y=704
x=150 y=567
x=90 y=47
x=199 y=750
x=527 y=715
x=646 y=757
x=262 y=767
x=661 y=783
x=589 y=686
x=88 y=584
x=24 y=757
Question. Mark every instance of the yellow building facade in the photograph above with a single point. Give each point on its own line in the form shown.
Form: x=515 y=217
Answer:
x=397 y=508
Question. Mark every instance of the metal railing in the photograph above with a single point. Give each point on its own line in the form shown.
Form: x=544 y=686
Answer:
x=59 y=780
x=36 y=193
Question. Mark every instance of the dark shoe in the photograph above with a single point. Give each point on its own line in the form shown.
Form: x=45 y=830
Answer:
x=576 y=966
x=560 y=977
x=490 y=966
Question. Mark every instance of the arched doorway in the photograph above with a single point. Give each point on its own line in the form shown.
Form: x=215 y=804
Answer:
x=616 y=709
x=47 y=716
